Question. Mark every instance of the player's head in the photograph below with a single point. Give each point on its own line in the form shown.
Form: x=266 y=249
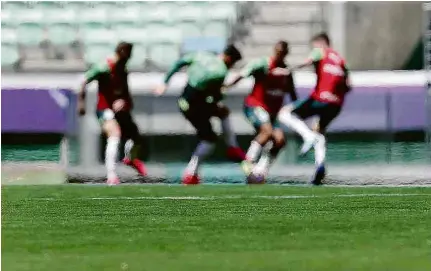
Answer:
x=124 y=51
x=321 y=40
x=231 y=55
x=281 y=50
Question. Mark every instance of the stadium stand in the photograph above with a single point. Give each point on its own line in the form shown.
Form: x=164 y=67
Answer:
x=69 y=36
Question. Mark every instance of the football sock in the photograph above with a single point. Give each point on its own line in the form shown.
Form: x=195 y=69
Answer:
x=203 y=149
x=111 y=154
x=293 y=122
x=320 y=151
x=228 y=134
x=128 y=149
x=253 y=151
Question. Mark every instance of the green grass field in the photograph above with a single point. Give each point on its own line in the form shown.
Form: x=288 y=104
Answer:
x=160 y=227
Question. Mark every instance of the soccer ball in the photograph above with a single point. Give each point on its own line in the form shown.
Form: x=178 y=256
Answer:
x=254 y=178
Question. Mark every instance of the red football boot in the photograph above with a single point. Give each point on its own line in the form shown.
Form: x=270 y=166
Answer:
x=137 y=164
x=235 y=154
x=189 y=179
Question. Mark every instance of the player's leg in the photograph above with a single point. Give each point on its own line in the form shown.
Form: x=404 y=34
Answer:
x=327 y=114
x=261 y=121
x=131 y=133
x=292 y=116
x=267 y=158
x=200 y=119
x=113 y=133
x=234 y=152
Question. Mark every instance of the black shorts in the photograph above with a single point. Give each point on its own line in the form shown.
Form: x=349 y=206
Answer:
x=128 y=127
x=310 y=107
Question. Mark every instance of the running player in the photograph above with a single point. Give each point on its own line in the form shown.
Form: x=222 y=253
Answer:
x=325 y=101
x=114 y=104
x=201 y=100
x=272 y=83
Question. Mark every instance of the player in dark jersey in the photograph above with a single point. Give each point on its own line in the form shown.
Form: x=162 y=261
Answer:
x=325 y=101
x=201 y=100
x=273 y=83
x=114 y=105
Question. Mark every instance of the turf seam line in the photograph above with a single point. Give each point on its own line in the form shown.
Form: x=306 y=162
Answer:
x=239 y=197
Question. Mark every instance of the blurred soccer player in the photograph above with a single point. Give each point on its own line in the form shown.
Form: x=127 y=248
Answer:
x=325 y=101
x=201 y=100
x=114 y=104
x=272 y=83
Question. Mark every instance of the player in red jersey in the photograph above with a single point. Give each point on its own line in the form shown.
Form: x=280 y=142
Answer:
x=114 y=104
x=272 y=83
x=325 y=101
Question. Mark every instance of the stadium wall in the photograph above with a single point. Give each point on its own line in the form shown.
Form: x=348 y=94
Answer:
x=380 y=103
x=375 y=35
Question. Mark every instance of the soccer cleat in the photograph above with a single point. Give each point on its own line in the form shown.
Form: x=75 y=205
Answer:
x=137 y=164
x=319 y=175
x=189 y=179
x=235 y=154
x=113 y=181
x=247 y=167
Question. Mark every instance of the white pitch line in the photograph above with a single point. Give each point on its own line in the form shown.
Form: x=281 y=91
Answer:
x=243 y=197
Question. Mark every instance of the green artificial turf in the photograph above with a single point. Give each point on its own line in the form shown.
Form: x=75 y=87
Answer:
x=160 y=227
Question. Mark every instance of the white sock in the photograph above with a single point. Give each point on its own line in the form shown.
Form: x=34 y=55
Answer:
x=203 y=149
x=290 y=120
x=111 y=154
x=128 y=149
x=228 y=134
x=264 y=164
x=253 y=151
x=320 y=151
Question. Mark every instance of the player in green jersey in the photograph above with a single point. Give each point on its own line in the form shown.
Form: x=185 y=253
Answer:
x=201 y=100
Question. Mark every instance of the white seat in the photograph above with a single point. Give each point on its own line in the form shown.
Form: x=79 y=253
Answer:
x=164 y=55
x=129 y=34
x=8 y=36
x=164 y=34
x=95 y=54
x=58 y=15
x=190 y=13
x=97 y=16
x=99 y=36
x=158 y=14
x=132 y=15
x=189 y=29
x=28 y=16
x=221 y=11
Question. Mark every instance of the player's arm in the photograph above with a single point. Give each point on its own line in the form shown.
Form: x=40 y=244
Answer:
x=92 y=74
x=182 y=62
x=316 y=55
x=250 y=69
x=291 y=90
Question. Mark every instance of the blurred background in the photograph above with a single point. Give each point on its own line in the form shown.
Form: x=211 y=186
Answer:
x=46 y=46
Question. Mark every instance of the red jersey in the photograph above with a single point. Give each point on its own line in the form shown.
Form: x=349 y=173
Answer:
x=270 y=86
x=331 y=86
x=112 y=85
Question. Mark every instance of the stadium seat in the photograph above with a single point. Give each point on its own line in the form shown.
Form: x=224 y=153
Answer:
x=221 y=11
x=163 y=55
x=216 y=29
x=210 y=44
x=189 y=29
x=157 y=14
x=97 y=53
x=139 y=56
x=61 y=34
x=8 y=36
x=58 y=15
x=14 y=5
x=98 y=36
x=159 y=33
x=9 y=55
x=30 y=34
x=190 y=13
x=7 y=18
x=135 y=35
x=33 y=16
x=127 y=16
x=93 y=17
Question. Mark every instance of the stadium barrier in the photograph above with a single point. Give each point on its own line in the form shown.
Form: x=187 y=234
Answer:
x=380 y=103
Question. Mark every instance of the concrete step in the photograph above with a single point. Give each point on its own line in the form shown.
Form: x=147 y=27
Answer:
x=288 y=12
